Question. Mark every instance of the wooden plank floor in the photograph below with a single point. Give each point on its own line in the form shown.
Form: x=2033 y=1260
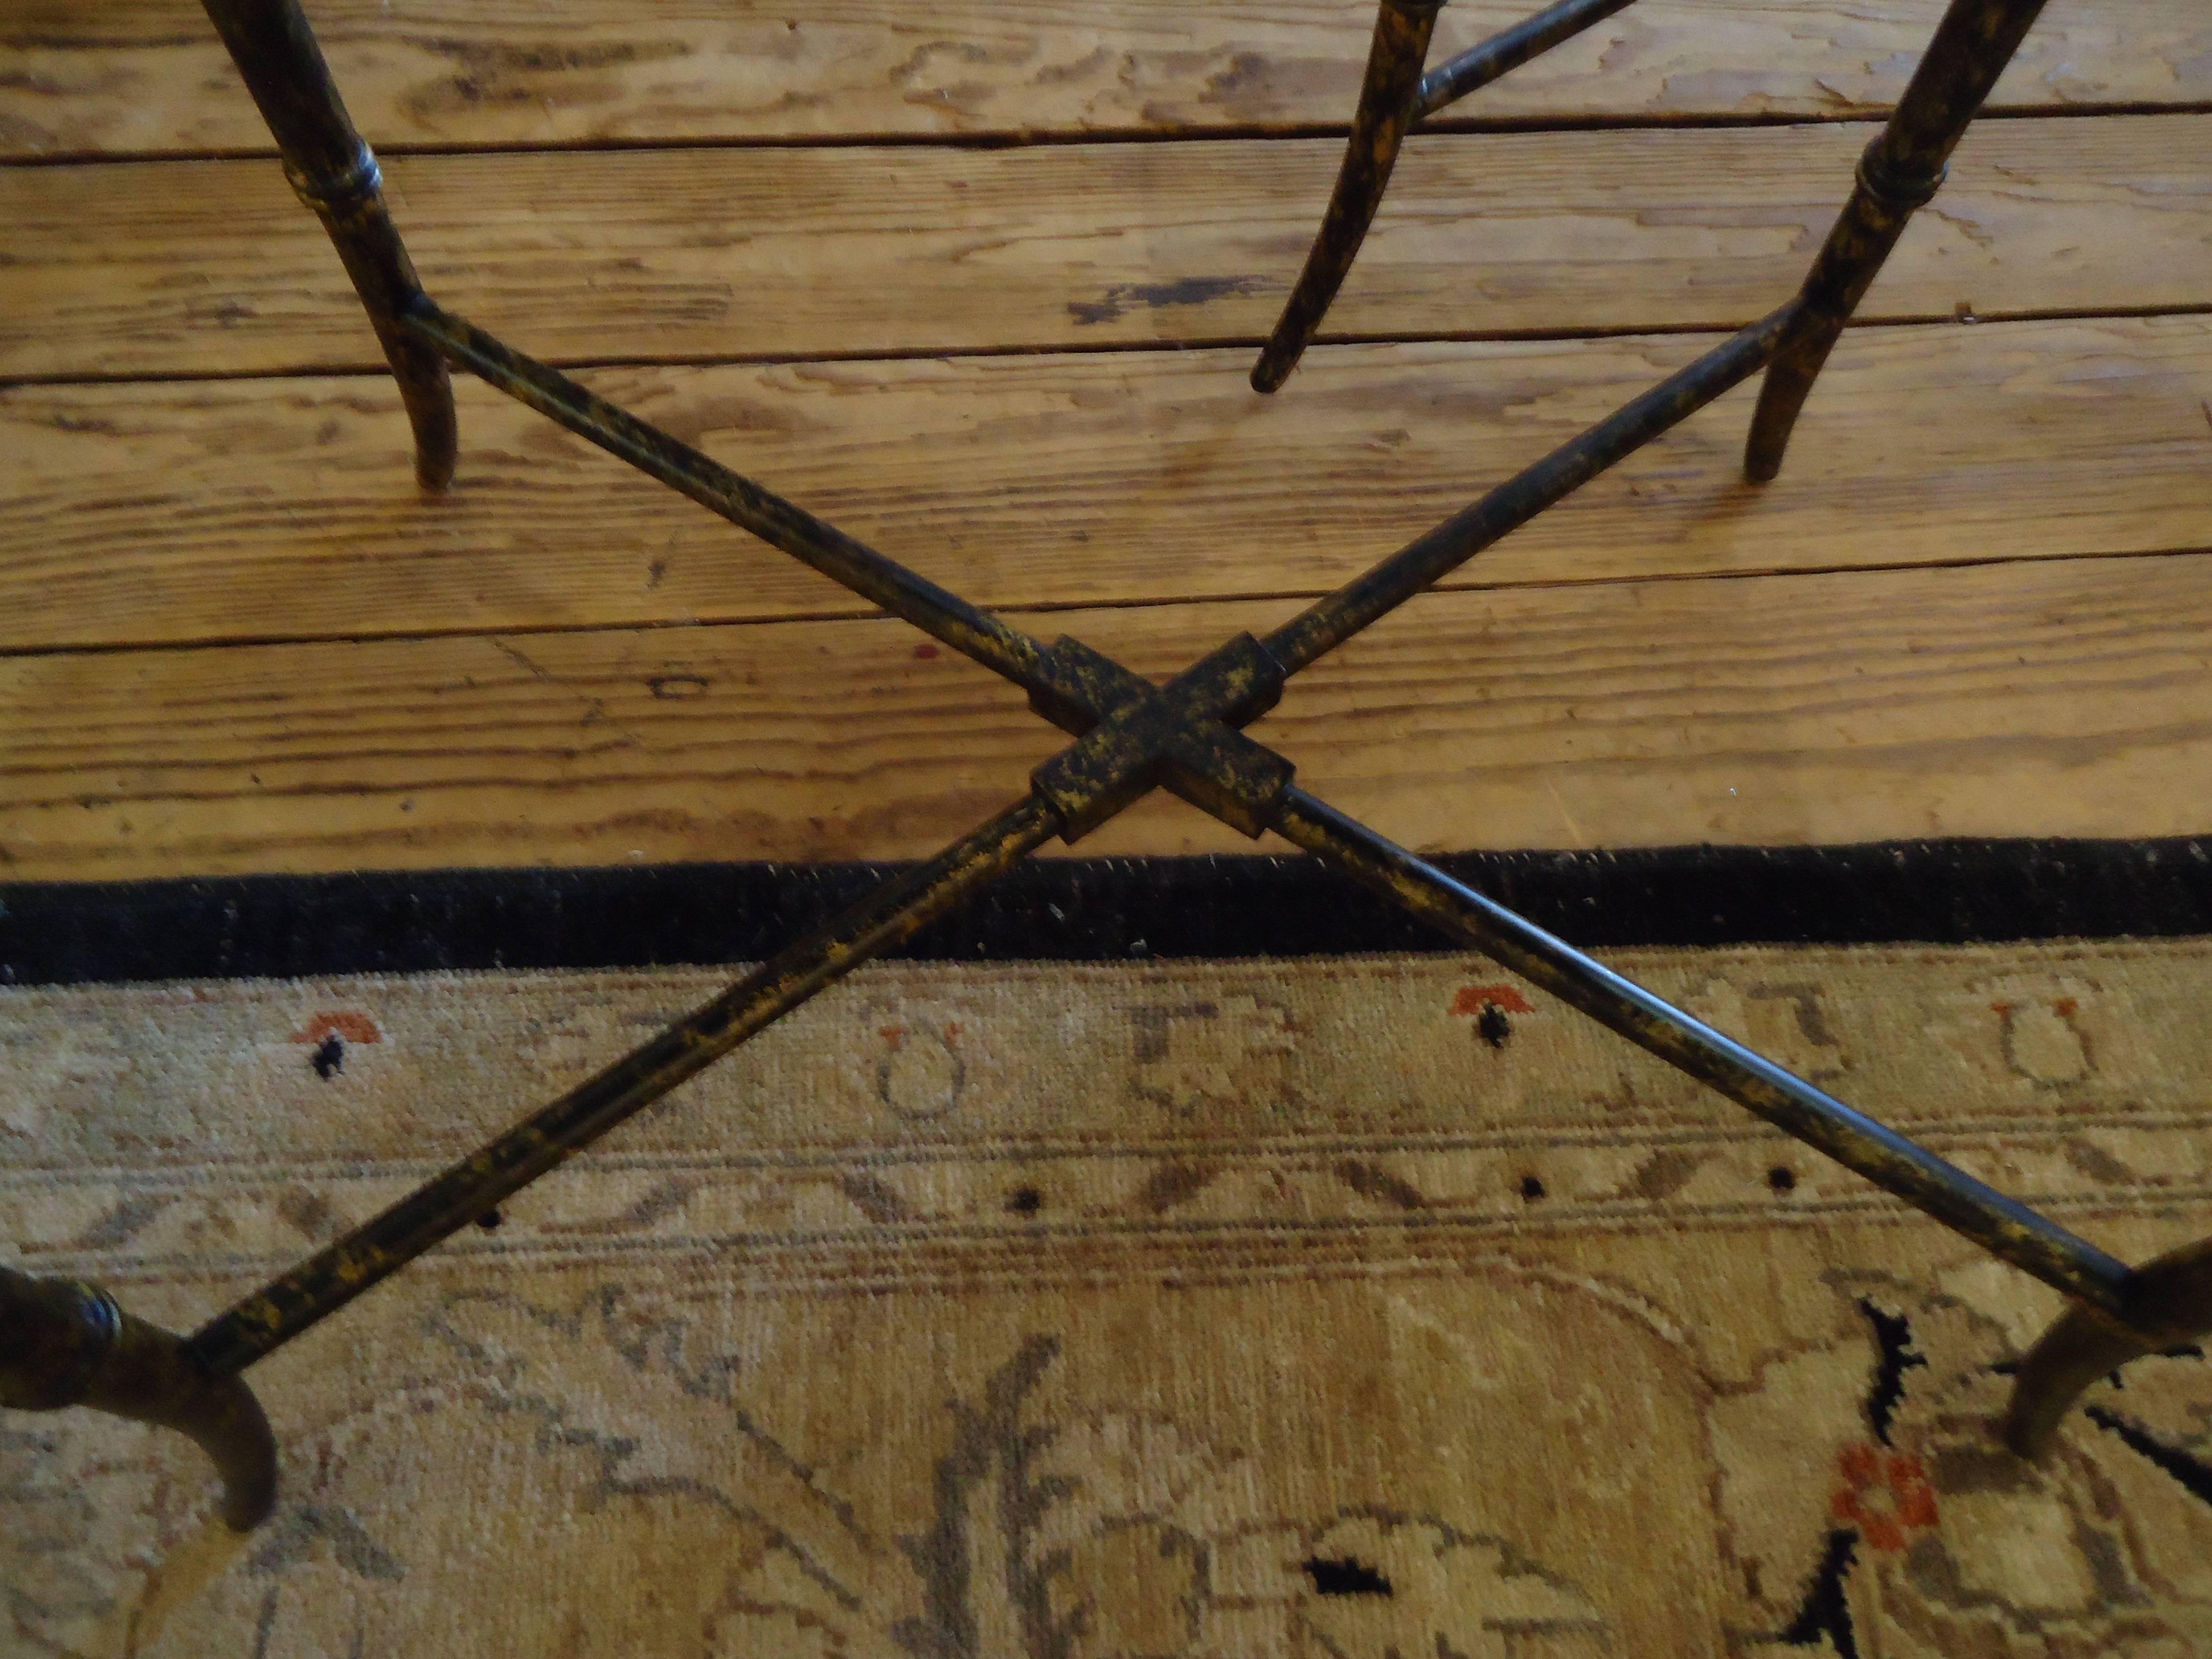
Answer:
x=983 y=289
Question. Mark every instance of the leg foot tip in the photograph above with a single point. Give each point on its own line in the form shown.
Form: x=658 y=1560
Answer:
x=433 y=467
x=2023 y=1441
x=244 y=1511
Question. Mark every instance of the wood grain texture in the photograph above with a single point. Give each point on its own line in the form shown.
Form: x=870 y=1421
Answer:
x=2053 y=698
x=147 y=76
x=286 y=509
x=209 y=267
x=1943 y=618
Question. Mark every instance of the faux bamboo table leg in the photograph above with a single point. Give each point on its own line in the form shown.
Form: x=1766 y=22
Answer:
x=2169 y=1302
x=335 y=173
x=1387 y=98
x=68 y=1344
x=1901 y=171
x=1395 y=94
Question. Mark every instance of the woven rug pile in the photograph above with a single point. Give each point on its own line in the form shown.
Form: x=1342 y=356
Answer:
x=1340 y=1307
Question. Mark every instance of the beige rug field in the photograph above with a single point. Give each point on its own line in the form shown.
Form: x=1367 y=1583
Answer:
x=1336 y=1308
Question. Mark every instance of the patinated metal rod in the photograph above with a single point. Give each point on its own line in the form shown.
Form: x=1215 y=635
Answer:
x=63 y=1343
x=335 y=175
x=2000 y=1225
x=1481 y=64
x=1019 y=656
x=287 y=1305
x=1900 y=172
x=966 y=628
x=1389 y=96
x=1328 y=621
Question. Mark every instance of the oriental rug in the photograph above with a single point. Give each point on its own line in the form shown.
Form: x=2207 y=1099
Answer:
x=1323 y=1306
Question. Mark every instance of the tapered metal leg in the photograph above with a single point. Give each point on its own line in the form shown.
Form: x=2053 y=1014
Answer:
x=334 y=173
x=2164 y=1303
x=1388 y=106
x=1388 y=98
x=63 y=1343
x=1900 y=172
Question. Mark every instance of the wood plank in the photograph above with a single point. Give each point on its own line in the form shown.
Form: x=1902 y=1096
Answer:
x=136 y=513
x=209 y=267
x=2069 y=697
x=148 y=75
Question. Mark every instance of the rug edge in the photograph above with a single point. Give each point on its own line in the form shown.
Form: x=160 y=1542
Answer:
x=1954 y=891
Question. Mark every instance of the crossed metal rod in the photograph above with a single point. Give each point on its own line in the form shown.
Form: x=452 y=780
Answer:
x=67 y=1343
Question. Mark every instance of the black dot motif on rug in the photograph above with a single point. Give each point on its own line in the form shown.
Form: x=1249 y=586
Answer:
x=1494 y=1028
x=1345 y=1576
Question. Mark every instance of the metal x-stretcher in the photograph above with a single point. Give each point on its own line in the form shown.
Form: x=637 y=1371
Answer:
x=64 y=1343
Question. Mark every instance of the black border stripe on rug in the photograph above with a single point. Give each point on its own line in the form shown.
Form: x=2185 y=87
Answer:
x=1957 y=891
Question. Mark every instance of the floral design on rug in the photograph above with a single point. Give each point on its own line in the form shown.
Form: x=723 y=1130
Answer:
x=1116 y=1532
x=1933 y=1539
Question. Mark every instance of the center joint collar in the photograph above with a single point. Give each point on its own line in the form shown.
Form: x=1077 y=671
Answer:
x=1182 y=736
